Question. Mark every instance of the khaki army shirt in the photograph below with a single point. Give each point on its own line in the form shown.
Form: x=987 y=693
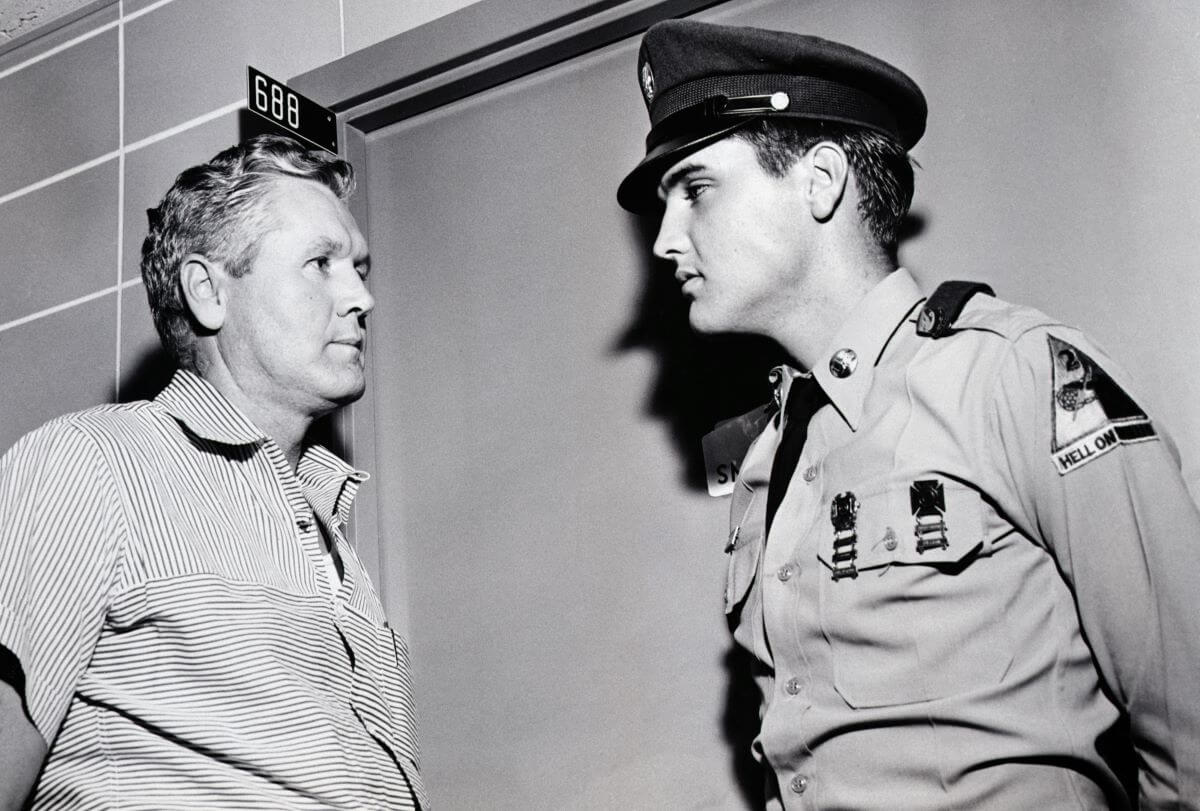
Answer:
x=986 y=555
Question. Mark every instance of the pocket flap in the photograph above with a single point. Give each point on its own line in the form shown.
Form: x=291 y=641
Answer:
x=744 y=549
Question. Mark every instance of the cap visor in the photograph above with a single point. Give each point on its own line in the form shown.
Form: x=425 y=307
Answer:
x=638 y=192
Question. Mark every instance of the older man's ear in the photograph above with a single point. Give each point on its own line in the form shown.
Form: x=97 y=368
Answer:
x=205 y=290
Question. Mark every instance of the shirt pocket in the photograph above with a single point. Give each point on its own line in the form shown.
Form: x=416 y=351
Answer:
x=744 y=547
x=916 y=622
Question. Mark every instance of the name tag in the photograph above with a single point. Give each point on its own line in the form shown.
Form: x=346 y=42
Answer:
x=725 y=447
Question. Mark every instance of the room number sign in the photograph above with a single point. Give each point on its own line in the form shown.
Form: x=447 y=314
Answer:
x=283 y=106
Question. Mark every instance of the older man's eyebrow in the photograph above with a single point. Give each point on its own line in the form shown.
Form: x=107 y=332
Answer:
x=679 y=175
x=326 y=246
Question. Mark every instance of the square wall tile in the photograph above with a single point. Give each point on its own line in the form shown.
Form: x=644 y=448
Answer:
x=67 y=112
x=151 y=170
x=132 y=6
x=53 y=34
x=60 y=242
x=189 y=57
x=56 y=364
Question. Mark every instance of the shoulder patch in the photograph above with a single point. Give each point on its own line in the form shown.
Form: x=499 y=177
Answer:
x=1092 y=414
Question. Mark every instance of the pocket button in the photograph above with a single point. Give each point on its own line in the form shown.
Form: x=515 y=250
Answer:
x=889 y=540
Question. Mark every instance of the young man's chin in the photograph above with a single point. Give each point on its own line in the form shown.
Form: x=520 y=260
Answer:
x=705 y=322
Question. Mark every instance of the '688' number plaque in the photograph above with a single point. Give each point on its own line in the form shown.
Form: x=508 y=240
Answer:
x=286 y=108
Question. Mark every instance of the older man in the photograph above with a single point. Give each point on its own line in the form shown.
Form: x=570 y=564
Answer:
x=962 y=555
x=182 y=621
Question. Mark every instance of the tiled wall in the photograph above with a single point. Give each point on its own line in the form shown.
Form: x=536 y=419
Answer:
x=99 y=113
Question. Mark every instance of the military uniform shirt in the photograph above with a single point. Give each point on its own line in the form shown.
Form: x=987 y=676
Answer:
x=985 y=554
x=162 y=585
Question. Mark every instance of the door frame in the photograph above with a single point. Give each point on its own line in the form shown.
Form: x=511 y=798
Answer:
x=469 y=51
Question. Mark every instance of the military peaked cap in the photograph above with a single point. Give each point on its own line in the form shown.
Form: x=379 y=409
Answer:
x=702 y=81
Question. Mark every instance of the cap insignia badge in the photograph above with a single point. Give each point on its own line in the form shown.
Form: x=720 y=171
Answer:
x=647 y=82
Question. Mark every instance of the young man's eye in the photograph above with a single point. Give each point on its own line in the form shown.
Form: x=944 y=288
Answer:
x=692 y=191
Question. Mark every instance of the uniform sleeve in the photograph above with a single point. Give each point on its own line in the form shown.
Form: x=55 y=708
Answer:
x=60 y=533
x=1102 y=489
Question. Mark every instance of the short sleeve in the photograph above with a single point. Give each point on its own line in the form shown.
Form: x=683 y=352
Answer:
x=1102 y=489
x=60 y=534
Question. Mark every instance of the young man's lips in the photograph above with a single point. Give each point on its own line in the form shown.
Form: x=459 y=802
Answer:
x=688 y=280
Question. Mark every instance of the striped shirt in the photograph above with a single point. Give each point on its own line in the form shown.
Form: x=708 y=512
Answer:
x=162 y=585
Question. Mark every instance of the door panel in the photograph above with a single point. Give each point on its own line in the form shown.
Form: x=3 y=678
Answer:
x=562 y=580
x=544 y=536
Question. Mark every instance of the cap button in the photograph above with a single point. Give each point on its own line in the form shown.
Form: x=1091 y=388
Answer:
x=843 y=363
x=780 y=101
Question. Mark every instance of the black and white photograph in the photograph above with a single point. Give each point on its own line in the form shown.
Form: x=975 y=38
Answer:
x=588 y=405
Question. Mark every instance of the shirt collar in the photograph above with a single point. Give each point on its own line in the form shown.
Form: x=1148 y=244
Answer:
x=205 y=412
x=866 y=334
x=329 y=483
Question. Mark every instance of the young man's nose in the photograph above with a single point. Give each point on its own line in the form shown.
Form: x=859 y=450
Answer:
x=670 y=241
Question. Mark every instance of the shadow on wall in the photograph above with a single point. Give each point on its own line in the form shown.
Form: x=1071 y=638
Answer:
x=702 y=380
x=151 y=372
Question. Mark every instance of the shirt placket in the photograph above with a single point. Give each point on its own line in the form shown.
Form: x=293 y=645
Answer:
x=303 y=519
x=372 y=792
x=790 y=572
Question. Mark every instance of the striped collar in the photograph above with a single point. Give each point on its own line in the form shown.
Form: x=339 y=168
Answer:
x=330 y=484
x=205 y=412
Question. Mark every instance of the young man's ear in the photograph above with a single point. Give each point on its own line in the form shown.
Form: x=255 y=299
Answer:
x=827 y=181
x=205 y=290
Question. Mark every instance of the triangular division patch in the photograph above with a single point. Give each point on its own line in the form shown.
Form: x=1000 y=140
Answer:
x=1092 y=414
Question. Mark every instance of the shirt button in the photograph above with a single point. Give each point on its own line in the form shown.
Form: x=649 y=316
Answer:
x=793 y=687
x=889 y=539
x=799 y=784
x=785 y=572
x=810 y=473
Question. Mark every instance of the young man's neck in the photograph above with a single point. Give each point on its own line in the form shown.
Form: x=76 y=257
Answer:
x=836 y=290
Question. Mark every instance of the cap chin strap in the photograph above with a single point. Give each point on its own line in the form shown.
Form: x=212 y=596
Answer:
x=765 y=104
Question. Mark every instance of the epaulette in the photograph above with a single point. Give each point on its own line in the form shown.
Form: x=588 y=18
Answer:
x=945 y=305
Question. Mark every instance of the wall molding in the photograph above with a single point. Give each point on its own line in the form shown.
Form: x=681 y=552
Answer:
x=474 y=49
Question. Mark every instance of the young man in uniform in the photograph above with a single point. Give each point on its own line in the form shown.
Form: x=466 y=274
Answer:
x=962 y=555
x=182 y=621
